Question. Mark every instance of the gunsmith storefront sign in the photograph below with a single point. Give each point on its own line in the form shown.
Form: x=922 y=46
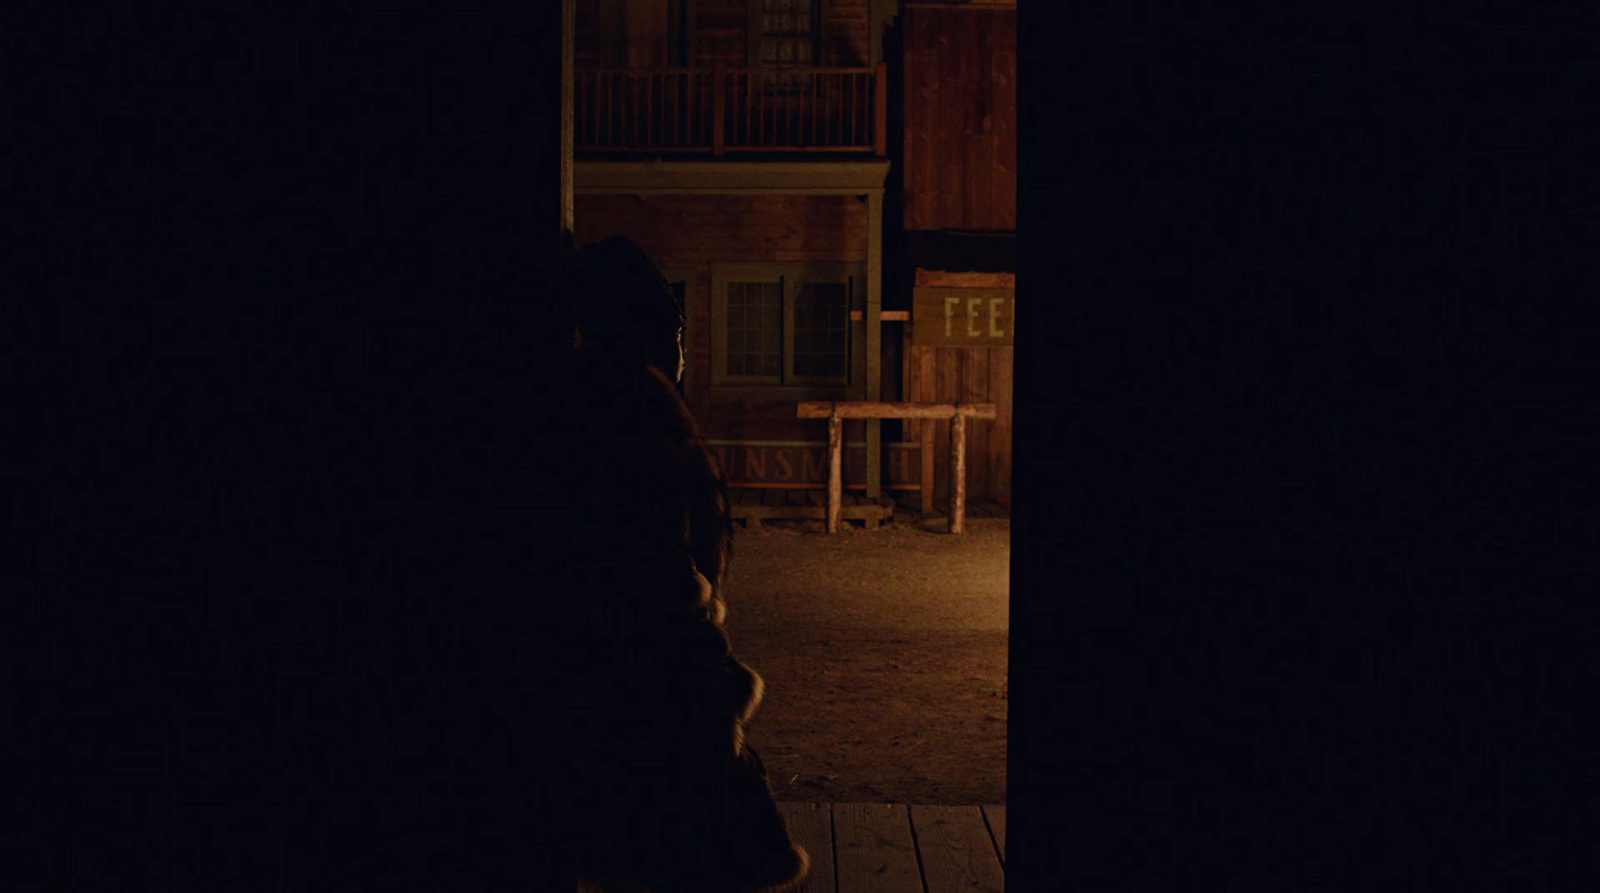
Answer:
x=777 y=463
x=943 y=316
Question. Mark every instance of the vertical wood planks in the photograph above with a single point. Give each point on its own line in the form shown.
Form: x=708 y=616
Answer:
x=947 y=378
x=996 y=817
x=975 y=389
x=874 y=849
x=921 y=111
x=979 y=187
x=1000 y=394
x=811 y=826
x=976 y=159
x=1003 y=106
x=958 y=855
x=951 y=112
x=926 y=392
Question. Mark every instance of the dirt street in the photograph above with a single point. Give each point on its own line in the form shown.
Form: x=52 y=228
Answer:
x=884 y=653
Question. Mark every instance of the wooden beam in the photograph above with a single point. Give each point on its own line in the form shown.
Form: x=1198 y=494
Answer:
x=958 y=473
x=569 y=18
x=874 y=339
x=869 y=410
x=835 y=470
x=883 y=315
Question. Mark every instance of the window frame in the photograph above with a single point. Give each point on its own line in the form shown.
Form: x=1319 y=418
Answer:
x=754 y=34
x=792 y=274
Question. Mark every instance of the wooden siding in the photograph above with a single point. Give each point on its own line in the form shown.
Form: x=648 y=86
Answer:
x=960 y=118
x=963 y=375
x=689 y=233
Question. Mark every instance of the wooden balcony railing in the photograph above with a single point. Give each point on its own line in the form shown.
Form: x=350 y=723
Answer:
x=722 y=110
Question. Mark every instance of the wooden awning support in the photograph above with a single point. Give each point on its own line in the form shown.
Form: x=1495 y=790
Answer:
x=957 y=413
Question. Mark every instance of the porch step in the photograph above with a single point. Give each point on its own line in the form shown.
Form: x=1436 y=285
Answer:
x=753 y=506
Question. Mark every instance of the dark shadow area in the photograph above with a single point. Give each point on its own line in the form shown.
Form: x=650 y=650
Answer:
x=1299 y=349
x=310 y=585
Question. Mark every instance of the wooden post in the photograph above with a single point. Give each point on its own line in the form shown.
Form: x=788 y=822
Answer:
x=958 y=471
x=880 y=118
x=569 y=15
x=874 y=339
x=835 y=469
x=719 y=90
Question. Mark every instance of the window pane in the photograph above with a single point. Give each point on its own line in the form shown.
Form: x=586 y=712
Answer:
x=754 y=328
x=822 y=319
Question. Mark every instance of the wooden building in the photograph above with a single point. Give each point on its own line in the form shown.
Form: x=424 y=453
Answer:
x=795 y=166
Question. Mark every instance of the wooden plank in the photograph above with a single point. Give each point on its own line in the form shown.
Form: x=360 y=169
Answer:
x=869 y=511
x=951 y=160
x=1003 y=106
x=947 y=378
x=926 y=392
x=1000 y=393
x=958 y=855
x=964 y=279
x=835 y=470
x=874 y=339
x=975 y=175
x=979 y=93
x=975 y=389
x=958 y=473
x=980 y=152
x=863 y=409
x=874 y=850
x=996 y=817
x=811 y=826
x=921 y=116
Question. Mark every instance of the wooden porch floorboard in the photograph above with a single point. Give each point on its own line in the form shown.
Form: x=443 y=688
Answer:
x=895 y=848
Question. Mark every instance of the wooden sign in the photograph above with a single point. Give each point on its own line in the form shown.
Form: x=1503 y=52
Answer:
x=943 y=316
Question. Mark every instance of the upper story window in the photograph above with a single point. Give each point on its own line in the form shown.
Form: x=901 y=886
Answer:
x=789 y=31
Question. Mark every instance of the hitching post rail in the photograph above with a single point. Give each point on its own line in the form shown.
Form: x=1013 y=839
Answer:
x=957 y=413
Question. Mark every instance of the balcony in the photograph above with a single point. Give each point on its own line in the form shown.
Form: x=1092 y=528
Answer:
x=730 y=110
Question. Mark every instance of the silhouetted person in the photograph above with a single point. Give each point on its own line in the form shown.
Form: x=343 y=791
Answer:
x=672 y=798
